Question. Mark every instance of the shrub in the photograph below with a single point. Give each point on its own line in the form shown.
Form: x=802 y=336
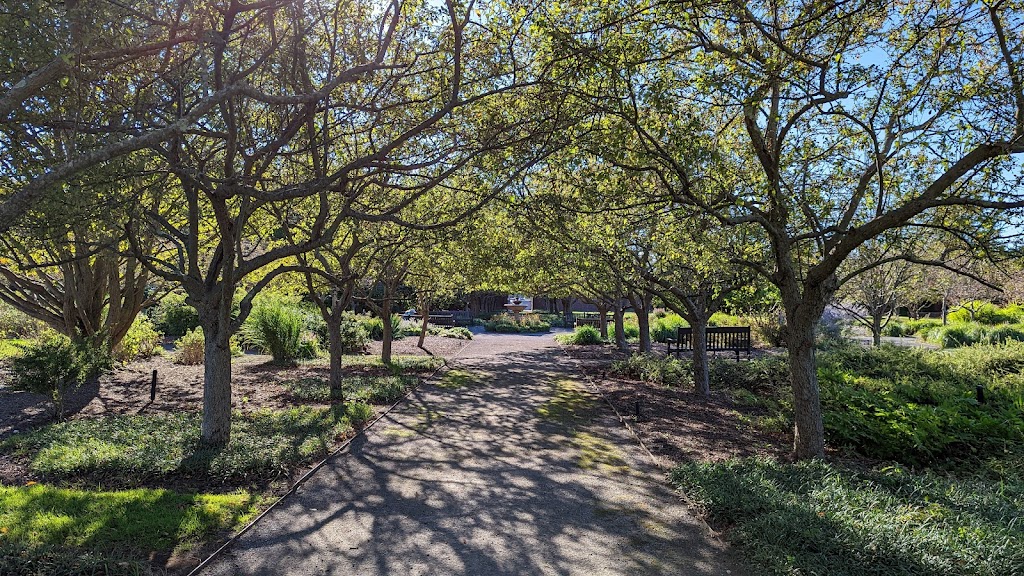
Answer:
x=1005 y=333
x=664 y=327
x=631 y=331
x=653 y=369
x=920 y=326
x=457 y=332
x=510 y=324
x=173 y=317
x=141 y=341
x=582 y=336
x=983 y=313
x=353 y=332
x=955 y=335
x=16 y=324
x=52 y=366
x=375 y=327
x=277 y=327
x=190 y=348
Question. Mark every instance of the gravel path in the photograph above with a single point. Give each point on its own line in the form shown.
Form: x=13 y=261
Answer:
x=508 y=466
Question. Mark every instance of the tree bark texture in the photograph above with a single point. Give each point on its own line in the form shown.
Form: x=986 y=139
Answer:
x=216 y=428
x=701 y=366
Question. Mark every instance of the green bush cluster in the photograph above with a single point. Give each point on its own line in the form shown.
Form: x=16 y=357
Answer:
x=582 y=336
x=53 y=366
x=141 y=341
x=819 y=518
x=173 y=317
x=414 y=328
x=509 y=324
x=986 y=313
x=375 y=327
x=909 y=405
x=653 y=369
x=910 y=327
x=16 y=324
x=190 y=349
x=664 y=326
x=279 y=328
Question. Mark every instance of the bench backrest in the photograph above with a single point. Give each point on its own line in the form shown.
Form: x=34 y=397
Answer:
x=731 y=338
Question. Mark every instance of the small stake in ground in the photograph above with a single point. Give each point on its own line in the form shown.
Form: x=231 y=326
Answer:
x=152 y=388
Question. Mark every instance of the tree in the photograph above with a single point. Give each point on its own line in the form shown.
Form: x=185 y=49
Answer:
x=843 y=121
x=878 y=280
x=327 y=114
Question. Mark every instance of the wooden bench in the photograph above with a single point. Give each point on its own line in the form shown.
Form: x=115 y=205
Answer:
x=719 y=339
x=447 y=320
x=589 y=319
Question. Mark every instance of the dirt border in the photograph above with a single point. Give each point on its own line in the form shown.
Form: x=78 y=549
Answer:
x=309 y=473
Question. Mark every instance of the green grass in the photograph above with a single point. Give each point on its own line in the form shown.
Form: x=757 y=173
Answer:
x=820 y=518
x=371 y=389
x=12 y=347
x=45 y=529
x=126 y=450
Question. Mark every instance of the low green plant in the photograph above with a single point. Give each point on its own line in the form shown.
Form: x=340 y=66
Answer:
x=173 y=317
x=190 y=348
x=277 y=328
x=664 y=327
x=457 y=332
x=375 y=327
x=52 y=366
x=125 y=450
x=371 y=389
x=15 y=324
x=55 y=530
x=511 y=324
x=819 y=518
x=653 y=369
x=982 y=313
x=141 y=341
x=582 y=336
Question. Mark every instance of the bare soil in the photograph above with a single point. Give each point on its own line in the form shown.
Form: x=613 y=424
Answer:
x=676 y=424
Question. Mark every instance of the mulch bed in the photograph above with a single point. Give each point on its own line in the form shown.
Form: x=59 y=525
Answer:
x=256 y=384
x=676 y=424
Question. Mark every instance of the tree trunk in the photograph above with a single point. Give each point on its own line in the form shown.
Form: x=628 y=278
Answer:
x=876 y=328
x=620 y=329
x=701 y=366
x=945 y=310
x=808 y=430
x=603 y=321
x=216 y=430
x=388 y=333
x=643 y=321
x=334 y=350
x=425 y=311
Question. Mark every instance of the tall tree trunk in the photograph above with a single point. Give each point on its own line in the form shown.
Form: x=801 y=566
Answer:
x=808 y=429
x=335 y=352
x=216 y=428
x=425 y=311
x=620 y=329
x=602 y=312
x=876 y=328
x=701 y=365
x=388 y=333
x=643 y=320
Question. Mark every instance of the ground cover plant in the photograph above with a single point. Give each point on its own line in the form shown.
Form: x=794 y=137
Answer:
x=839 y=518
x=49 y=530
x=127 y=450
x=372 y=389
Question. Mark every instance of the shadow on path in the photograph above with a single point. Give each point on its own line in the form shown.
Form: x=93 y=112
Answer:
x=519 y=471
